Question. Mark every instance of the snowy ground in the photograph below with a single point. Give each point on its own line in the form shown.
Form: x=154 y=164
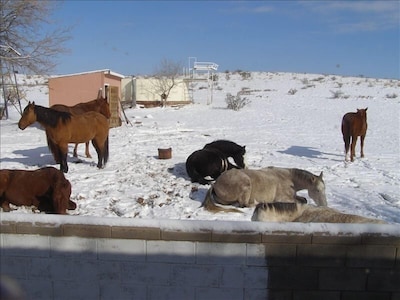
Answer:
x=293 y=120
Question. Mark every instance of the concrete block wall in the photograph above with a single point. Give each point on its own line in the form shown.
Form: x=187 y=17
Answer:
x=66 y=257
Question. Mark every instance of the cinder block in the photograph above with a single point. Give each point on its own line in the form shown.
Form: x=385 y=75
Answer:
x=256 y=277
x=316 y=295
x=379 y=239
x=366 y=296
x=170 y=251
x=219 y=293
x=261 y=294
x=117 y=291
x=286 y=238
x=37 y=289
x=321 y=255
x=197 y=275
x=40 y=268
x=16 y=267
x=121 y=249
x=343 y=279
x=384 y=280
x=8 y=227
x=71 y=245
x=371 y=256
x=87 y=230
x=67 y=290
x=233 y=276
x=220 y=253
x=25 y=245
x=148 y=274
x=74 y=268
x=236 y=237
x=293 y=278
x=141 y=233
x=157 y=292
x=186 y=236
x=41 y=229
x=336 y=240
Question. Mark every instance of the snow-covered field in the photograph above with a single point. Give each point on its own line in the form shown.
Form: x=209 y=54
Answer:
x=292 y=120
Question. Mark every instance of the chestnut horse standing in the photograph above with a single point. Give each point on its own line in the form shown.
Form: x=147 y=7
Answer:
x=63 y=128
x=354 y=125
x=45 y=188
x=100 y=105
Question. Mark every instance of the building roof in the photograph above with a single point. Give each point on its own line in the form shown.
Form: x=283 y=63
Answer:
x=106 y=71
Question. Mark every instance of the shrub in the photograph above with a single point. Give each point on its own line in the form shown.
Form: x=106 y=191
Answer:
x=337 y=94
x=236 y=102
x=391 y=96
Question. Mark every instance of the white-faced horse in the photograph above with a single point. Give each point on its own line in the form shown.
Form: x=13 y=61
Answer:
x=247 y=188
x=305 y=213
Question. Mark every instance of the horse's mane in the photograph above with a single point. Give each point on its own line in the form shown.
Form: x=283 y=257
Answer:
x=51 y=116
x=302 y=174
x=280 y=207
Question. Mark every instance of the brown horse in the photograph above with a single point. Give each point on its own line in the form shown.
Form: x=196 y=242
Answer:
x=45 y=188
x=63 y=128
x=100 y=105
x=354 y=125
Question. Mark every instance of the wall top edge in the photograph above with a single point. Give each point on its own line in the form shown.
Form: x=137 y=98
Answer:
x=193 y=226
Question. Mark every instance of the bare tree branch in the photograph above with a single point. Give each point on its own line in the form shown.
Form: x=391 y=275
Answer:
x=165 y=78
x=25 y=26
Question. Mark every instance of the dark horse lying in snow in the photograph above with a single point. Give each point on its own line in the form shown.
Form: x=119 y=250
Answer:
x=212 y=160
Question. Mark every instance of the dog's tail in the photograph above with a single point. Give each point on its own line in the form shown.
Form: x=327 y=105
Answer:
x=209 y=203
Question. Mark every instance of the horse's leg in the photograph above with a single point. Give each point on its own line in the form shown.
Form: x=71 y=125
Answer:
x=87 y=150
x=346 y=139
x=76 y=150
x=99 y=151
x=5 y=206
x=63 y=152
x=244 y=198
x=353 y=147
x=362 y=145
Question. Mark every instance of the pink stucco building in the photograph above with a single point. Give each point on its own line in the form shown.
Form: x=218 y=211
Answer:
x=83 y=87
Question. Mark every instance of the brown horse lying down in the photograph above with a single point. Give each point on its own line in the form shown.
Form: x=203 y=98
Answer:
x=45 y=188
x=305 y=213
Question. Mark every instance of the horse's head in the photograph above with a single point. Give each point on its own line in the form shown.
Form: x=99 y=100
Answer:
x=362 y=113
x=61 y=193
x=239 y=158
x=317 y=190
x=104 y=107
x=28 y=116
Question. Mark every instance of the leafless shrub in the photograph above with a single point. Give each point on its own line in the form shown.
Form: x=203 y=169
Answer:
x=236 y=102
x=337 y=94
x=292 y=91
x=391 y=96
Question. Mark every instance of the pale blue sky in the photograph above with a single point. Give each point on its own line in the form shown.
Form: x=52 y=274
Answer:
x=328 y=37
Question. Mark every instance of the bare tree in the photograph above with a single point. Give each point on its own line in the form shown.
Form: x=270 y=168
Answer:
x=29 y=42
x=165 y=78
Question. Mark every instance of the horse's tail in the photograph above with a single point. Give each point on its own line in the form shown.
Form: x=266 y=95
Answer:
x=209 y=203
